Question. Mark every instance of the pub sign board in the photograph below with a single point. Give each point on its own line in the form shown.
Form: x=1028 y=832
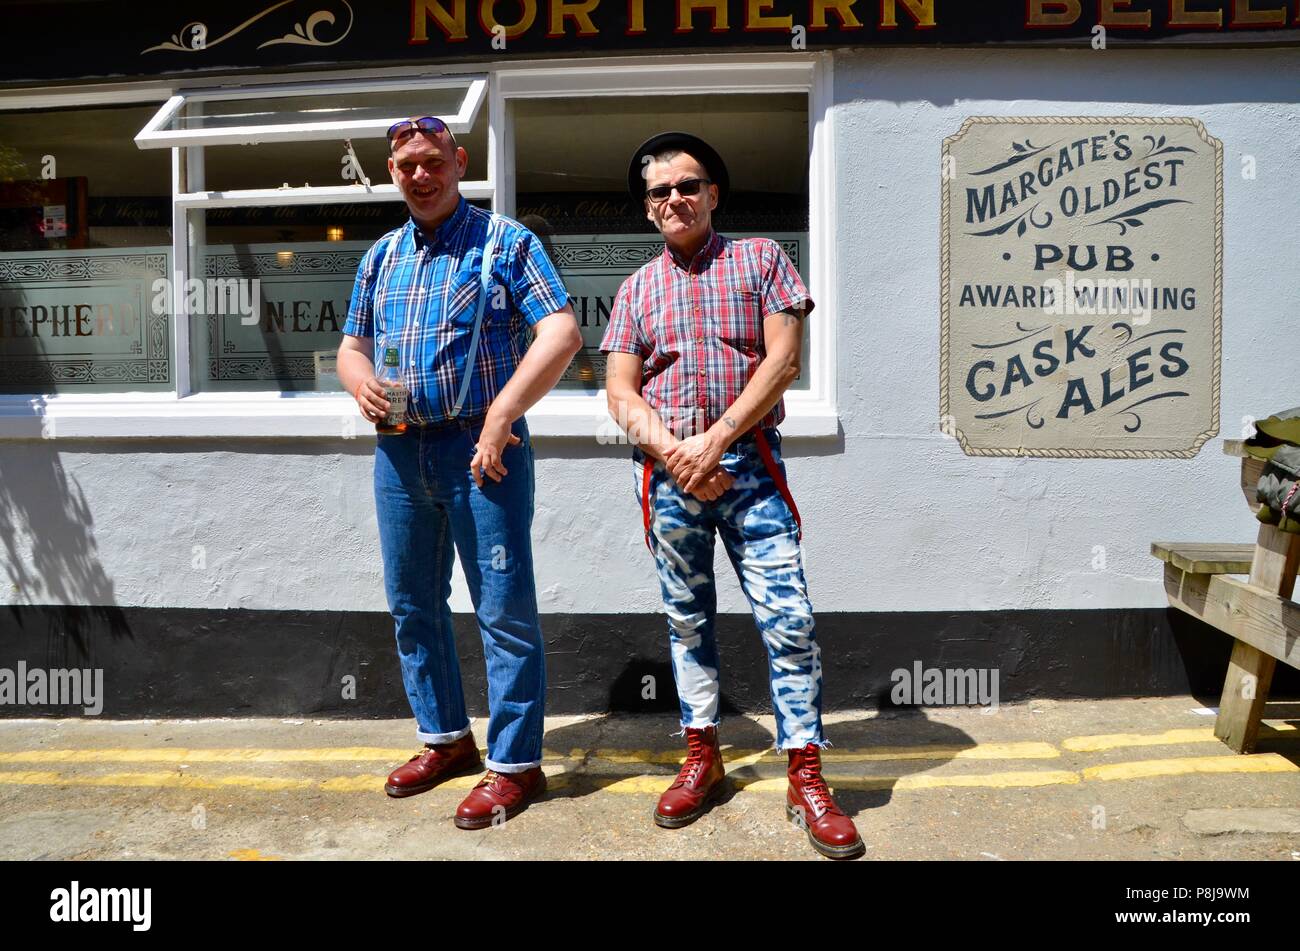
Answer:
x=1082 y=286
x=88 y=39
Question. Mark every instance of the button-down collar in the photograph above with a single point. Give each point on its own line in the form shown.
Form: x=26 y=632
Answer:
x=711 y=248
x=445 y=232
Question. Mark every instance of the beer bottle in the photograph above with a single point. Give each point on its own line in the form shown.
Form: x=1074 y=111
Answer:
x=396 y=392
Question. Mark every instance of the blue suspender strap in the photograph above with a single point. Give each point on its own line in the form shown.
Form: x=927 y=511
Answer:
x=485 y=280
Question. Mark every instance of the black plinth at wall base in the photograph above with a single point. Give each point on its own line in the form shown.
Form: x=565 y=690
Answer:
x=161 y=662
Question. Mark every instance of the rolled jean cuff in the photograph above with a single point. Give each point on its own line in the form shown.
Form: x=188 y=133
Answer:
x=800 y=744
x=511 y=767
x=440 y=738
x=697 y=725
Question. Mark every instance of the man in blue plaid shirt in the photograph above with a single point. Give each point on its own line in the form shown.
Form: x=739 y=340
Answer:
x=461 y=476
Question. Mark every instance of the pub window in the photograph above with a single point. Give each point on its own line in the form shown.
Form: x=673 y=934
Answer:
x=576 y=198
x=84 y=242
x=286 y=187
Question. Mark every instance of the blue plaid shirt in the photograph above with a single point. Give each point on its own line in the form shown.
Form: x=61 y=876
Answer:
x=420 y=295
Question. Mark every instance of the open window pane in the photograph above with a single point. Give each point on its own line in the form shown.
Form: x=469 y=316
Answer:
x=309 y=111
x=576 y=200
x=84 y=250
x=275 y=164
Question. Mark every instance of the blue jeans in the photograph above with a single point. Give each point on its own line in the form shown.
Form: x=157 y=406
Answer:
x=426 y=502
x=761 y=538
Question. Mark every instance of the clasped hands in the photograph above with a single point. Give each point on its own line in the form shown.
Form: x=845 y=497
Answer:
x=694 y=465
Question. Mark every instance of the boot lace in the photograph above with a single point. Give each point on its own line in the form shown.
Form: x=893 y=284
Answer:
x=810 y=773
x=694 y=757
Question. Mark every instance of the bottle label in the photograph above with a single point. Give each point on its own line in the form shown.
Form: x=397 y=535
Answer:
x=396 y=395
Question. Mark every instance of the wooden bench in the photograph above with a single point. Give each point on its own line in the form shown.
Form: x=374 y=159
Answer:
x=1257 y=612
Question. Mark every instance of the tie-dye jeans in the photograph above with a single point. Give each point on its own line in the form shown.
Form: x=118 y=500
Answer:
x=761 y=537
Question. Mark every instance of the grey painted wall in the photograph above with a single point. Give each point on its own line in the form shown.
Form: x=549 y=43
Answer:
x=897 y=519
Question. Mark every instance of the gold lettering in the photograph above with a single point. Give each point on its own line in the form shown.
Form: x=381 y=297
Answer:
x=1110 y=16
x=1244 y=15
x=843 y=10
x=580 y=12
x=527 y=16
x=758 y=17
x=922 y=11
x=452 y=24
x=635 y=17
x=1038 y=16
x=686 y=14
x=1179 y=15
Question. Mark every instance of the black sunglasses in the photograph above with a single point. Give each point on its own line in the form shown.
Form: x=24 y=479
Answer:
x=687 y=189
x=401 y=131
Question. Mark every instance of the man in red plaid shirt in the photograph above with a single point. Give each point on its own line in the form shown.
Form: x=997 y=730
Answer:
x=702 y=343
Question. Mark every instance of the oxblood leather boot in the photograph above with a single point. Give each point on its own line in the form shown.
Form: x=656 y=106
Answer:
x=700 y=782
x=500 y=796
x=808 y=803
x=432 y=765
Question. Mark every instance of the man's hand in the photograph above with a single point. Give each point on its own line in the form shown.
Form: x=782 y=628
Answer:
x=370 y=399
x=693 y=460
x=492 y=442
x=714 y=485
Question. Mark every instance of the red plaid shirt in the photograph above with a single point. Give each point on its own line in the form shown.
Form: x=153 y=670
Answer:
x=698 y=328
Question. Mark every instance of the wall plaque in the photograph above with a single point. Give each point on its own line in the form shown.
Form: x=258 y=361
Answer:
x=1082 y=286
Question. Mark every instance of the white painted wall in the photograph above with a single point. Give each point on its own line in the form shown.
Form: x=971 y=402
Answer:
x=896 y=517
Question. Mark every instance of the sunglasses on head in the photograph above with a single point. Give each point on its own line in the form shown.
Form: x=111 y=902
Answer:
x=686 y=189
x=401 y=131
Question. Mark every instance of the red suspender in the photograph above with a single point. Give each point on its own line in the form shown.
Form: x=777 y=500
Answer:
x=645 y=500
x=765 y=451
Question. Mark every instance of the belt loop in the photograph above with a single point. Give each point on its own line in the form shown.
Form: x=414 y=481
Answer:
x=765 y=450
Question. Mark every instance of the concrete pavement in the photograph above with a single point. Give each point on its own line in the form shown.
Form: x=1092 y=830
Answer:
x=1113 y=779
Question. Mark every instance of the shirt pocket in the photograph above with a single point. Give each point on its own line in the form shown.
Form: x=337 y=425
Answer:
x=462 y=302
x=741 y=320
x=466 y=293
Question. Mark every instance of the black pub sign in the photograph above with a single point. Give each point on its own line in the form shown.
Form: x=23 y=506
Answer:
x=55 y=40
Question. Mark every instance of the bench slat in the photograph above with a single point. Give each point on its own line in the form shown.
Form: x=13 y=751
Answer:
x=1206 y=558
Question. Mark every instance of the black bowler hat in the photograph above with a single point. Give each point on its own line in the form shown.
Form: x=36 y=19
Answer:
x=693 y=146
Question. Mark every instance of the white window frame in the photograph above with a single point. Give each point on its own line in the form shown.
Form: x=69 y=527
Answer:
x=186 y=414
x=155 y=135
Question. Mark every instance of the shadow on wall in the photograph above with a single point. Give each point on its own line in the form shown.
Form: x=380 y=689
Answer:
x=50 y=553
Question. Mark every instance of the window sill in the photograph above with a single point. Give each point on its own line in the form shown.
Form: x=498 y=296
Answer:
x=312 y=416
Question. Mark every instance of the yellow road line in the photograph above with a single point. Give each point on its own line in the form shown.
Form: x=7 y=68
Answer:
x=1024 y=750
x=1228 y=763
x=181 y=755
x=624 y=785
x=559 y=779
x=1111 y=741
x=1009 y=779
x=734 y=757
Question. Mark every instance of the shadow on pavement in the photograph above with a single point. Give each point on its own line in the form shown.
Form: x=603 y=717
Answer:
x=867 y=758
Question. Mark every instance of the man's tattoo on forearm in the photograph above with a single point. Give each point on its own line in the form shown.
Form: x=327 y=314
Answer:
x=729 y=421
